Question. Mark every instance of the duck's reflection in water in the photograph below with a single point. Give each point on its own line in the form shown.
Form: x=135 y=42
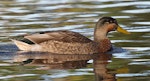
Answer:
x=53 y=61
x=67 y=61
x=101 y=71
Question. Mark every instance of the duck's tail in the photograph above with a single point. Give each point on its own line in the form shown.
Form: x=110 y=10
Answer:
x=22 y=45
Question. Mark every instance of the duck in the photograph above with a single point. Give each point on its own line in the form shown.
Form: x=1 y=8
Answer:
x=69 y=42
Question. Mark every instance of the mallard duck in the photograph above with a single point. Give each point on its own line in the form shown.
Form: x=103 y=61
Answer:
x=69 y=42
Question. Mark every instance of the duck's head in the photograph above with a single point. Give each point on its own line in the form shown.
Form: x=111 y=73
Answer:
x=105 y=25
x=110 y=24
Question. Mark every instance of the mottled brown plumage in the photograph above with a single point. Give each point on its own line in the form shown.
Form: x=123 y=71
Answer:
x=68 y=42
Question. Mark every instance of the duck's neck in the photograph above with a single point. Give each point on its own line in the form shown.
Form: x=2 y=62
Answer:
x=100 y=33
x=100 y=37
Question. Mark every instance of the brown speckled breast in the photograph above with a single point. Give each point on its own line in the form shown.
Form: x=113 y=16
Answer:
x=69 y=48
x=105 y=45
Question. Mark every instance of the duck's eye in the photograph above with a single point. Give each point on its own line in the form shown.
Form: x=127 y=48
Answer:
x=115 y=21
x=110 y=21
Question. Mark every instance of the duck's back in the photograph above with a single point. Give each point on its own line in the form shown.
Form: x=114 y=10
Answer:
x=62 y=42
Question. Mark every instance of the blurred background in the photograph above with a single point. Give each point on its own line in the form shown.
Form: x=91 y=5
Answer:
x=20 y=17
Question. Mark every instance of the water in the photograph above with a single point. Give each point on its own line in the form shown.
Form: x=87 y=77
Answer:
x=19 y=17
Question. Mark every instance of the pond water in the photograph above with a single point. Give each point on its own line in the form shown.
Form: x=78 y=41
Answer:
x=131 y=62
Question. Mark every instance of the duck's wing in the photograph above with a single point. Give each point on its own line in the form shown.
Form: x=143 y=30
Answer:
x=37 y=38
x=62 y=36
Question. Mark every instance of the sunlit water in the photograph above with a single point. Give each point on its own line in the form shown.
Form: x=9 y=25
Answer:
x=19 y=17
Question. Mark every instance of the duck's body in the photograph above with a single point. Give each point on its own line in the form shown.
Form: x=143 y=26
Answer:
x=68 y=42
x=61 y=42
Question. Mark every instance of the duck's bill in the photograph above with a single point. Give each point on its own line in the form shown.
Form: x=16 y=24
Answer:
x=119 y=29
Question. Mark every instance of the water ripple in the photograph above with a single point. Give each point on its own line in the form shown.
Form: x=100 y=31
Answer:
x=116 y=5
x=14 y=76
x=137 y=11
x=133 y=75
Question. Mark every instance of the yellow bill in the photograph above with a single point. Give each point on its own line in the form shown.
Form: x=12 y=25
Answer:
x=119 y=29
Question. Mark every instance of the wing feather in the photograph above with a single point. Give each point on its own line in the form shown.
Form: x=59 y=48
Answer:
x=63 y=36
